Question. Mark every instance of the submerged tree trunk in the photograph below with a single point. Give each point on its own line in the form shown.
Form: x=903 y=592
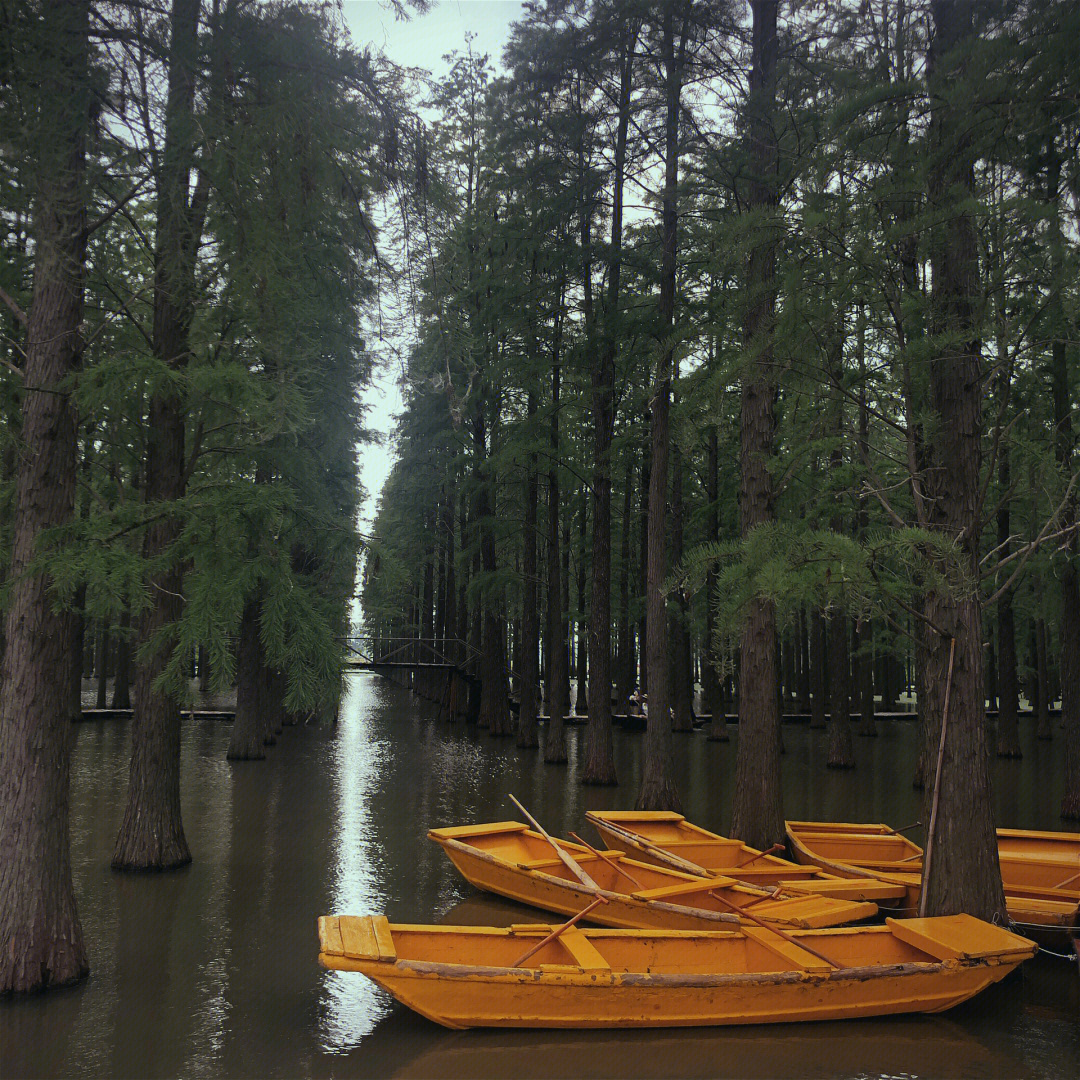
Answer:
x=715 y=705
x=682 y=677
x=658 y=790
x=817 y=670
x=963 y=874
x=121 y=698
x=40 y=932
x=1008 y=733
x=558 y=698
x=757 y=812
x=599 y=765
x=841 y=752
x=624 y=680
x=247 y=739
x=1069 y=660
x=527 y=733
x=152 y=833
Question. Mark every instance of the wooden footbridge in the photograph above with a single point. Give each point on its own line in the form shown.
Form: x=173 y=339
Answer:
x=366 y=652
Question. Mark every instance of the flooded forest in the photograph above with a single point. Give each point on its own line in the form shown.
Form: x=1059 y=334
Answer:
x=736 y=473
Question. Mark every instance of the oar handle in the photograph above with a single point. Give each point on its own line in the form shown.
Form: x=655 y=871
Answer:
x=675 y=861
x=613 y=863
x=743 y=913
x=557 y=931
x=566 y=859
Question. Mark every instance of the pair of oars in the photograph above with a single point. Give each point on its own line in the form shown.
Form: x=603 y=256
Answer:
x=576 y=870
x=699 y=871
x=588 y=882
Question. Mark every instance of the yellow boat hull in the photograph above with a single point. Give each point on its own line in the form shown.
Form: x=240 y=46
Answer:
x=859 y=851
x=722 y=855
x=463 y=977
x=666 y=900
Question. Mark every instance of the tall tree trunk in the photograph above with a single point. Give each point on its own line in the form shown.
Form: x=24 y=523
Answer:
x=558 y=698
x=643 y=568
x=581 y=669
x=963 y=874
x=121 y=698
x=817 y=669
x=624 y=686
x=1069 y=658
x=1043 y=730
x=715 y=705
x=658 y=790
x=682 y=679
x=103 y=666
x=527 y=733
x=40 y=932
x=599 y=765
x=152 y=833
x=249 y=730
x=757 y=813
x=1008 y=740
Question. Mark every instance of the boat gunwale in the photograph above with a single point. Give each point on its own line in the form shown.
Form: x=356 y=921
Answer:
x=719 y=881
x=573 y=975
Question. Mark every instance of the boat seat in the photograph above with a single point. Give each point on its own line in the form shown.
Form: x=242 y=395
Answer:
x=583 y=951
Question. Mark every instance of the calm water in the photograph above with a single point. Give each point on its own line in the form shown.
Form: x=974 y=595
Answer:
x=212 y=971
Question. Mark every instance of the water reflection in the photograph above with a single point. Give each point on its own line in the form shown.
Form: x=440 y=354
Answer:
x=212 y=971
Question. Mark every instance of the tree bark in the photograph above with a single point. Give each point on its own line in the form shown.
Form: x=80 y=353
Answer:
x=817 y=670
x=121 y=698
x=1069 y=657
x=249 y=730
x=658 y=790
x=682 y=678
x=1008 y=733
x=757 y=812
x=527 y=732
x=964 y=875
x=715 y=705
x=41 y=936
x=558 y=698
x=152 y=833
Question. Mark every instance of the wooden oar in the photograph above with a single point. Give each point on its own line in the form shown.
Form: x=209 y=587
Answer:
x=674 y=861
x=906 y=828
x=776 y=894
x=613 y=863
x=923 y=890
x=558 y=930
x=743 y=913
x=567 y=860
x=760 y=855
x=1067 y=881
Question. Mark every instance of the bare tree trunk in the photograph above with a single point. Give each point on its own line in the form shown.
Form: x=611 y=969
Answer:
x=246 y=742
x=817 y=670
x=710 y=666
x=121 y=698
x=757 y=813
x=527 y=734
x=152 y=833
x=1008 y=740
x=658 y=790
x=625 y=676
x=964 y=875
x=682 y=677
x=558 y=698
x=1069 y=661
x=40 y=932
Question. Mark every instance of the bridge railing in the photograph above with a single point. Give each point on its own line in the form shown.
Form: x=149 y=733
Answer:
x=402 y=651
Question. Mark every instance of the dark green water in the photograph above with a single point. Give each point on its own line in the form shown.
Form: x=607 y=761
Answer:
x=213 y=971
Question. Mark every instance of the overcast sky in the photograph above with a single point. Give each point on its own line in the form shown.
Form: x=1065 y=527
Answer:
x=422 y=41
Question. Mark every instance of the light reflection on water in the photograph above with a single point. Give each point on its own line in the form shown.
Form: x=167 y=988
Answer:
x=212 y=971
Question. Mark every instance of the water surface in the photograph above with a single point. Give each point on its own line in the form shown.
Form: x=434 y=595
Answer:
x=212 y=971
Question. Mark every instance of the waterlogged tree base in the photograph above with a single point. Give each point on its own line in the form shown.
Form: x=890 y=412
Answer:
x=41 y=960
x=659 y=794
x=147 y=852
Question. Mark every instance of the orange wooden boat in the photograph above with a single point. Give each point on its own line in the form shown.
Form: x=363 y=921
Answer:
x=1039 y=870
x=510 y=859
x=467 y=976
x=664 y=838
